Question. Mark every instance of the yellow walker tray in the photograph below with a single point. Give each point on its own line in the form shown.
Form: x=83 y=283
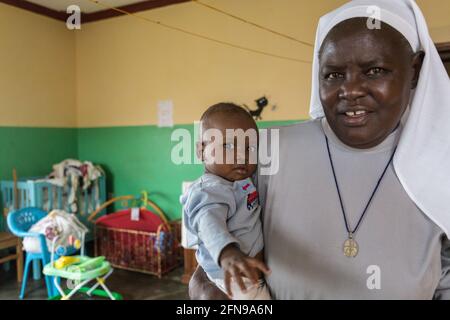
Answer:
x=76 y=271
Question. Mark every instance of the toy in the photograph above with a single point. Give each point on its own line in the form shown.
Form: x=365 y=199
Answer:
x=65 y=261
x=87 y=265
x=76 y=243
x=79 y=271
x=51 y=233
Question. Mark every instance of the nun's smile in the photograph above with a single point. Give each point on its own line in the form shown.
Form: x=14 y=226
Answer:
x=366 y=77
x=356 y=116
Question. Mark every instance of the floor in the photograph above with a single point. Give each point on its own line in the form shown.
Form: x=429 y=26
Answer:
x=131 y=285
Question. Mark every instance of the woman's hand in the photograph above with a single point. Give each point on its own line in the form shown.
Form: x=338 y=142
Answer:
x=201 y=288
x=235 y=264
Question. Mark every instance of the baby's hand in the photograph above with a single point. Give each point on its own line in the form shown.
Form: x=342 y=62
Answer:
x=235 y=264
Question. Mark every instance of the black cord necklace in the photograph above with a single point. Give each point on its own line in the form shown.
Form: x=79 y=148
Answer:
x=351 y=247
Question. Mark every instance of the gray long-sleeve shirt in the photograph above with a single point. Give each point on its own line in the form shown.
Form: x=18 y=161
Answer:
x=221 y=212
x=402 y=253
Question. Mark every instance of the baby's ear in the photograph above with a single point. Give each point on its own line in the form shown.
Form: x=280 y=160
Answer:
x=199 y=150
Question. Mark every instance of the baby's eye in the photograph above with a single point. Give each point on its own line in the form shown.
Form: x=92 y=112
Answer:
x=252 y=148
x=228 y=146
x=334 y=75
x=375 y=71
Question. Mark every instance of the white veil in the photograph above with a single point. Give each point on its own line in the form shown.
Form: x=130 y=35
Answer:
x=422 y=160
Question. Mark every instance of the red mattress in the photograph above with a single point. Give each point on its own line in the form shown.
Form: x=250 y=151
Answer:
x=148 y=221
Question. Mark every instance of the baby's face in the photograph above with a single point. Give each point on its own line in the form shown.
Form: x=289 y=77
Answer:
x=230 y=147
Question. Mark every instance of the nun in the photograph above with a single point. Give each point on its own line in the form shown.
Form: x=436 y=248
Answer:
x=360 y=205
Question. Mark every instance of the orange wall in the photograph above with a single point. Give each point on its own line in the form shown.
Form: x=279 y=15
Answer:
x=113 y=72
x=37 y=77
x=125 y=65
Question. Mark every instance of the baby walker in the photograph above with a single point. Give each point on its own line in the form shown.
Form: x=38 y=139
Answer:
x=79 y=271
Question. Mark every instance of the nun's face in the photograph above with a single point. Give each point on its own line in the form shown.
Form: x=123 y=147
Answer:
x=366 y=77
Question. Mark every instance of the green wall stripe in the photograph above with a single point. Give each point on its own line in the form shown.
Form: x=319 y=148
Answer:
x=33 y=151
x=135 y=158
x=139 y=158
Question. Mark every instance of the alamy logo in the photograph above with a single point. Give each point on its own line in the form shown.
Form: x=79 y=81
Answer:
x=229 y=147
x=374 y=280
x=374 y=20
x=74 y=20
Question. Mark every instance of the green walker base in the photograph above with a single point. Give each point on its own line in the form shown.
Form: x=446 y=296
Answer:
x=96 y=292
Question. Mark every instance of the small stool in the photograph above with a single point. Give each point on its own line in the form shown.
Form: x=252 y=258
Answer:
x=8 y=240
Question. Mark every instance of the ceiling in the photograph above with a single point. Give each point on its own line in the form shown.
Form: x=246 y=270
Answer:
x=91 y=11
x=85 y=5
x=438 y=9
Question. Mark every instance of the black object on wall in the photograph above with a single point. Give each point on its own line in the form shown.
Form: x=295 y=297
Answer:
x=261 y=103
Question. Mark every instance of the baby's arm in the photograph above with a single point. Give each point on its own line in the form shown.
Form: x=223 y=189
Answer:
x=206 y=212
x=235 y=264
x=210 y=225
x=206 y=215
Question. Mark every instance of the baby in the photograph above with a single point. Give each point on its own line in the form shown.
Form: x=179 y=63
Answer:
x=222 y=207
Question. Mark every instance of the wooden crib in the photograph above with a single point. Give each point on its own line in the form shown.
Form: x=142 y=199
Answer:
x=37 y=192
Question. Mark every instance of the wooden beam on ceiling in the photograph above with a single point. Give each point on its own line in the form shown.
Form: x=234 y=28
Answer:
x=94 y=16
